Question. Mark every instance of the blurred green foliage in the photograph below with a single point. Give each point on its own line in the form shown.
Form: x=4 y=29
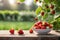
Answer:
x=56 y=23
x=6 y=25
x=38 y=10
x=8 y=15
x=27 y=17
x=21 y=0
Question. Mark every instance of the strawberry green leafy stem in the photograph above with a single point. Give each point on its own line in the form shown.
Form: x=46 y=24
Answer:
x=48 y=9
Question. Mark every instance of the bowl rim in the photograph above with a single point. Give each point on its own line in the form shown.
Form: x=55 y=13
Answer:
x=41 y=29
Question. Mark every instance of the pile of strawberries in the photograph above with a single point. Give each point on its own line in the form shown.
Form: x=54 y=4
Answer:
x=42 y=25
x=20 y=32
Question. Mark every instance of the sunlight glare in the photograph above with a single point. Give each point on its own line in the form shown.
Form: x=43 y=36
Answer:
x=28 y=2
x=11 y=1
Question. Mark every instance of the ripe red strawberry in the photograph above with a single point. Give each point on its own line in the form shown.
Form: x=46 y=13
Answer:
x=11 y=31
x=39 y=23
x=36 y=19
x=20 y=32
x=38 y=27
x=51 y=6
x=35 y=25
x=53 y=12
x=50 y=26
x=46 y=24
x=31 y=31
x=42 y=13
x=43 y=27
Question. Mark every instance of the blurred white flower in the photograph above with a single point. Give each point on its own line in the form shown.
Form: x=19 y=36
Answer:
x=39 y=4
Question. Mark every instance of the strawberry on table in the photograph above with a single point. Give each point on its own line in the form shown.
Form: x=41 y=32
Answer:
x=11 y=31
x=30 y=31
x=20 y=32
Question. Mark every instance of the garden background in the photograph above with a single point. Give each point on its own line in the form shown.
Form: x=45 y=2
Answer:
x=20 y=15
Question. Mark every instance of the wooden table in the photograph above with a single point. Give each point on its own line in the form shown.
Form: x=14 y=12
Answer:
x=5 y=35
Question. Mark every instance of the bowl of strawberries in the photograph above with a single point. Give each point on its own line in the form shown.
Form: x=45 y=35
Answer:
x=42 y=27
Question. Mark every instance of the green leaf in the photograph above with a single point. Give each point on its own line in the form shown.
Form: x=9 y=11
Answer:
x=45 y=16
x=47 y=1
x=38 y=10
x=22 y=0
x=58 y=2
x=58 y=18
x=50 y=18
x=39 y=17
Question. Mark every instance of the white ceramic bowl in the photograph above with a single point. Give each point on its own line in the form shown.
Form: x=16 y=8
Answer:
x=42 y=31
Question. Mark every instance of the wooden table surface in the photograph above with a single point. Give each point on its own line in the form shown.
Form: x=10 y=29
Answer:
x=5 y=35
